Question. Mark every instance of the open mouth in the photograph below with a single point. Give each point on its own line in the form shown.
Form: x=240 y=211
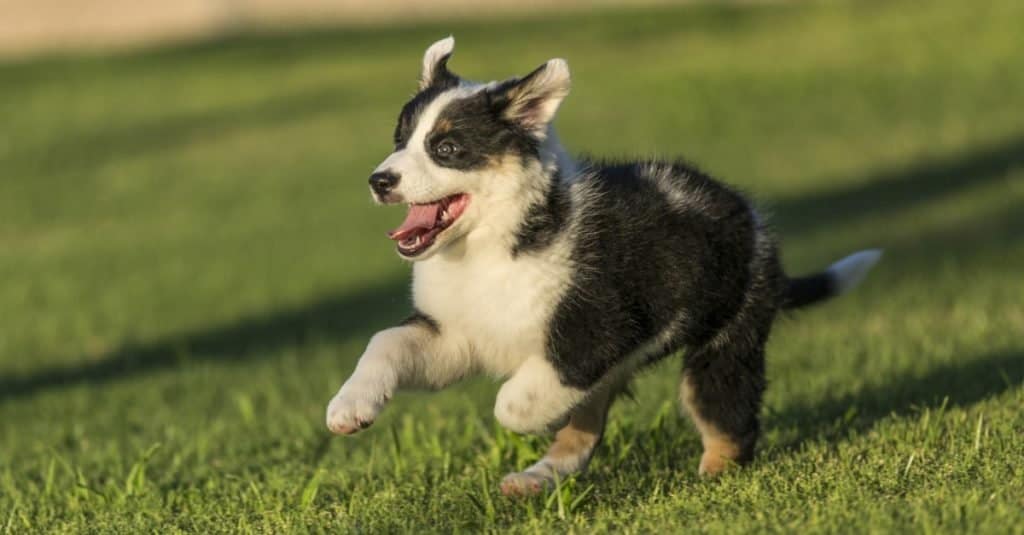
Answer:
x=426 y=221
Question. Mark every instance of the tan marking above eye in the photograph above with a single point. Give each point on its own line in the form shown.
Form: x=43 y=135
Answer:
x=443 y=125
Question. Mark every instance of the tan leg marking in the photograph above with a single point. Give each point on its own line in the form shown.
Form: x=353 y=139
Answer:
x=571 y=450
x=720 y=450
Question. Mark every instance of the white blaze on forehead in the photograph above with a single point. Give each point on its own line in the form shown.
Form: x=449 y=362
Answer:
x=428 y=118
x=399 y=161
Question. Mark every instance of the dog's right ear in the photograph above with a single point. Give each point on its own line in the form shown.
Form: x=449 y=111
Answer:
x=435 y=65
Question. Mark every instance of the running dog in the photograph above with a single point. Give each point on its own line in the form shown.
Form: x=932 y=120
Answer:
x=565 y=276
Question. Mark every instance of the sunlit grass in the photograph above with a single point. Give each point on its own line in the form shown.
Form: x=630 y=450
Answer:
x=191 y=266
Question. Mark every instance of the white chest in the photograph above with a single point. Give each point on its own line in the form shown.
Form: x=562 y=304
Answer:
x=491 y=305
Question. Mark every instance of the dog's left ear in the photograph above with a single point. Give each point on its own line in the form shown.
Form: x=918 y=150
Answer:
x=531 y=101
x=435 y=65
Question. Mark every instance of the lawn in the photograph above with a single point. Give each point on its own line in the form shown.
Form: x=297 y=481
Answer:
x=191 y=266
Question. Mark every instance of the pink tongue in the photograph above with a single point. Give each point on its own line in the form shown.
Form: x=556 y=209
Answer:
x=420 y=216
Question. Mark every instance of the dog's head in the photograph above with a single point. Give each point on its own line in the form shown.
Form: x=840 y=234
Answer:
x=461 y=145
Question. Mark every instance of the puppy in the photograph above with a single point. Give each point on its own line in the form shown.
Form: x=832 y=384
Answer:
x=565 y=276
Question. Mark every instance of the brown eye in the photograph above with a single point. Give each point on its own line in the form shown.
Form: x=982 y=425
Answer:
x=446 y=148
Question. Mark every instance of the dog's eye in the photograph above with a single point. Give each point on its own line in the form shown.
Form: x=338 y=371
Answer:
x=446 y=148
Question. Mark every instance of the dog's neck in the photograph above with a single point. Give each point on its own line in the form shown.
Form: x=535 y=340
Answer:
x=540 y=215
x=555 y=158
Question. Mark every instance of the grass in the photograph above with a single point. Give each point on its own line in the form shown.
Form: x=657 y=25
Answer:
x=191 y=266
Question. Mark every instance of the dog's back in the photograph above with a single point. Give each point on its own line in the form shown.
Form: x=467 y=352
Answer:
x=661 y=254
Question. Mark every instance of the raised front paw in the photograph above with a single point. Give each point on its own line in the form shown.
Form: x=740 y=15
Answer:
x=354 y=409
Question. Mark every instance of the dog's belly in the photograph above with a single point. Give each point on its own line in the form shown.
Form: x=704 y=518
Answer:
x=496 y=308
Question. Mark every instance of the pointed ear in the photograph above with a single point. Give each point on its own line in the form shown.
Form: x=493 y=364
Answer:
x=435 y=65
x=532 y=100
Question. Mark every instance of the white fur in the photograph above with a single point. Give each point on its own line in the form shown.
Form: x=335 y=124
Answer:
x=548 y=87
x=422 y=180
x=374 y=381
x=848 y=272
x=434 y=54
x=405 y=356
x=497 y=308
x=534 y=400
x=567 y=461
x=493 y=307
x=494 y=312
x=666 y=178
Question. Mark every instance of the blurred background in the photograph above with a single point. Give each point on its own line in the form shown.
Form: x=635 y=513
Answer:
x=191 y=264
x=30 y=26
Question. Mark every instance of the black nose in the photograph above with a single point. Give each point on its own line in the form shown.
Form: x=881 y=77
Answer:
x=383 y=182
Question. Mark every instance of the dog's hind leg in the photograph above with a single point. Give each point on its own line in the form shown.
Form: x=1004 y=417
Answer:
x=721 y=389
x=572 y=448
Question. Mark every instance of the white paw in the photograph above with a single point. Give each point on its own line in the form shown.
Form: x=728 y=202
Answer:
x=520 y=416
x=354 y=409
x=524 y=484
x=527 y=411
x=534 y=400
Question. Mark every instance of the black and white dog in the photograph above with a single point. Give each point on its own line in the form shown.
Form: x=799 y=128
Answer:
x=566 y=276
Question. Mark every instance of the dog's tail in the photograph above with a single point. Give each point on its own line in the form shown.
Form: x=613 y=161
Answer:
x=839 y=278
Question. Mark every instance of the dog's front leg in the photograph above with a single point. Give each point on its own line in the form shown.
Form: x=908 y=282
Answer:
x=534 y=400
x=570 y=452
x=409 y=355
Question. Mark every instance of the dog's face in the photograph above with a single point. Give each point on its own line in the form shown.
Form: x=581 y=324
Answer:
x=461 y=146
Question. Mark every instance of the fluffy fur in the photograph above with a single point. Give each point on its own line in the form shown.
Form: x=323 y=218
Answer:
x=564 y=277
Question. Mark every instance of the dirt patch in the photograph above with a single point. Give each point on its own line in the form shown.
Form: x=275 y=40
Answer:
x=33 y=26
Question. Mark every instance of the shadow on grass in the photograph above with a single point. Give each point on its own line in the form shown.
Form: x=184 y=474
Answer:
x=335 y=318
x=667 y=449
x=954 y=385
x=899 y=189
x=338 y=317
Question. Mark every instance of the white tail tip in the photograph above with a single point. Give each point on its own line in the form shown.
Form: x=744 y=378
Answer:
x=848 y=272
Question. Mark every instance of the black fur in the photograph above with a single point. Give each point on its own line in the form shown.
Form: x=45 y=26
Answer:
x=412 y=110
x=544 y=221
x=475 y=126
x=661 y=258
x=665 y=255
x=804 y=291
x=646 y=267
x=701 y=273
x=419 y=318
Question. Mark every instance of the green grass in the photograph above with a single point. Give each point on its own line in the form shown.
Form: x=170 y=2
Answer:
x=191 y=266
